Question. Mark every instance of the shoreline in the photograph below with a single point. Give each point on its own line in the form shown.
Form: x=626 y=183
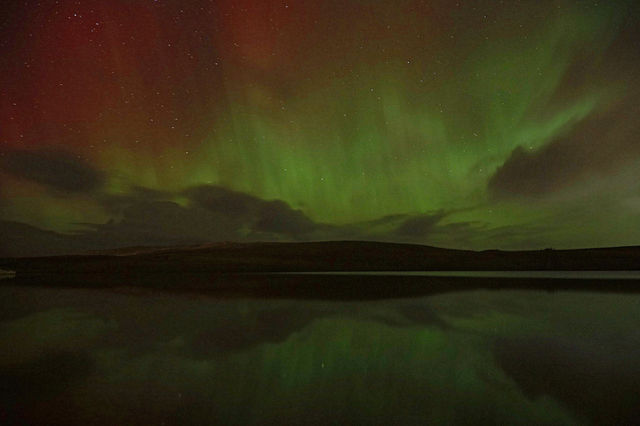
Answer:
x=309 y=286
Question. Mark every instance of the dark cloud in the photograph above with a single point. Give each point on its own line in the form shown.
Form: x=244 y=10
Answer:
x=598 y=384
x=534 y=173
x=144 y=217
x=599 y=146
x=514 y=237
x=20 y=239
x=224 y=201
x=421 y=314
x=229 y=335
x=392 y=219
x=425 y=229
x=59 y=170
x=419 y=226
x=253 y=213
x=147 y=222
x=116 y=204
x=206 y=213
x=460 y=234
x=276 y=216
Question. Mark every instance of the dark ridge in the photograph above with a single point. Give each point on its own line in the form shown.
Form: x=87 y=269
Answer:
x=324 y=256
x=247 y=269
x=310 y=286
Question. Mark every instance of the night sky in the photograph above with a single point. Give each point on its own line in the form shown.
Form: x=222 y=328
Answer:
x=470 y=124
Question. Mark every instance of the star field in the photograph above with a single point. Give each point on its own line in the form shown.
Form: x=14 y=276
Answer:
x=491 y=123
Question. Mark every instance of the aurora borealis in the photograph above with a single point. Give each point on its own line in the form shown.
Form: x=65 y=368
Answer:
x=470 y=124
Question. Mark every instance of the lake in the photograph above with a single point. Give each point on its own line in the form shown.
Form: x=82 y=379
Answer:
x=570 y=275
x=131 y=356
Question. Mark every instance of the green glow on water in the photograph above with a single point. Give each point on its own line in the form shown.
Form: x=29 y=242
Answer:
x=436 y=360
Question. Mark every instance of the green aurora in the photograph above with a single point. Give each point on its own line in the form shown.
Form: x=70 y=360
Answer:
x=346 y=111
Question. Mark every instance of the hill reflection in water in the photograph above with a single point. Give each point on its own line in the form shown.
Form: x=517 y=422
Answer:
x=125 y=356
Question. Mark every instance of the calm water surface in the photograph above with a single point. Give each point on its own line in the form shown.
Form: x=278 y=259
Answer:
x=594 y=275
x=483 y=357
